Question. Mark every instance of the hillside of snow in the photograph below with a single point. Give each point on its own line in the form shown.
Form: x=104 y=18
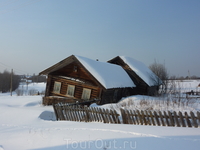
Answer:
x=25 y=124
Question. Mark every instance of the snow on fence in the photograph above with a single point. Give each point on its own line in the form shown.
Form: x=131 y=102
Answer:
x=136 y=117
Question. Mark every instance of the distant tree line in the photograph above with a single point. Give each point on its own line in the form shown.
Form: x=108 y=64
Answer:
x=184 y=78
x=35 y=78
x=5 y=81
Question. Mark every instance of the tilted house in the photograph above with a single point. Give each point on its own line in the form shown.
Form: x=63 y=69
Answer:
x=146 y=81
x=78 y=78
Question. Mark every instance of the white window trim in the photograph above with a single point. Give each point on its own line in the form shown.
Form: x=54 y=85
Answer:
x=57 y=87
x=68 y=88
x=86 y=91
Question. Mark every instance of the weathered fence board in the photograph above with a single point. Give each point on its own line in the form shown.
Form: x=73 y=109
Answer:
x=136 y=117
x=161 y=119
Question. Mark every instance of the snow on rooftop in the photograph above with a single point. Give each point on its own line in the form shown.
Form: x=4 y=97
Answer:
x=109 y=75
x=141 y=70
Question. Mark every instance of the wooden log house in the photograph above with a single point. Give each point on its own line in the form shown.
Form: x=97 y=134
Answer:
x=146 y=81
x=78 y=79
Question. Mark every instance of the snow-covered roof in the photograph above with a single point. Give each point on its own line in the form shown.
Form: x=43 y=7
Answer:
x=141 y=70
x=109 y=75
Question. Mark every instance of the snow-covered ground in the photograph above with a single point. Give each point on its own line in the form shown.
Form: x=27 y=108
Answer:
x=26 y=124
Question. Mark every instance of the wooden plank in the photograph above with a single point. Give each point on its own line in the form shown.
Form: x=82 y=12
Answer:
x=136 y=118
x=66 y=113
x=97 y=115
x=133 y=119
x=181 y=119
x=143 y=117
x=152 y=118
x=108 y=116
x=198 y=117
x=112 y=116
x=140 y=117
x=161 y=118
x=61 y=112
x=94 y=114
x=147 y=117
x=55 y=111
x=187 y=120
x=116 y=116
x=87 y=117
x=105 y=115
x=194 y=120
x=75 y=113
x=69 y=113
x=166 y=119
x=176 y=121
x=171 y=119
x=156 y=117
x=123 y=116
x=102 y=115
x=72 y=113
x=81 y=113
x=89 y=113
x=129 y=117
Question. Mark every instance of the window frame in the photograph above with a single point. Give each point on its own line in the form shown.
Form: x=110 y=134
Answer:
x=85 y=93
x=69 y=86
x=57 y=87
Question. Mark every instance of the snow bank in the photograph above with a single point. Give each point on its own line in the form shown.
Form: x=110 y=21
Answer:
x=26 y=124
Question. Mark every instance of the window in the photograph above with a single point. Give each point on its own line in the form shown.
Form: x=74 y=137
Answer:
x=70 y=90
x=57 y=86
x=86 y=94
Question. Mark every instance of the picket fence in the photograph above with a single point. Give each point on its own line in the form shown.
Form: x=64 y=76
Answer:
x=85 y=114
x=136 y=117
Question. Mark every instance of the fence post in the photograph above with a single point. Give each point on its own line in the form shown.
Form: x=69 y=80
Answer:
x=171 y=119
x=156 y=117
x=147 y=117
x=166 y=118
x=55 y=111
x=152 y=118
x=108 y=116
x=143 y=117
x=123 y=116
x=181 y=118
x=187 y=120
x=176 y=119
x=133 y=119
x=198 y=116
x=116 y=116
x=161 y=118
x=140 y=117
x=136 y=118
x=194 y=121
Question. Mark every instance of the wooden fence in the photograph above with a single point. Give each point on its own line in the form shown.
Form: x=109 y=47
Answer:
x=160 y=118
x=94 y=114
x=85 y=114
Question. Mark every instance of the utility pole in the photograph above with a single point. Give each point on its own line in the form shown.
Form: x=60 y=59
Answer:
x=11 y=80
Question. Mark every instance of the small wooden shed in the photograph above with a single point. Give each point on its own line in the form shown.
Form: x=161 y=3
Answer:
x=77 y=78
x=146 y=81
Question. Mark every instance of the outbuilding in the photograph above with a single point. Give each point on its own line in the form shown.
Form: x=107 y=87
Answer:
x=146 y=81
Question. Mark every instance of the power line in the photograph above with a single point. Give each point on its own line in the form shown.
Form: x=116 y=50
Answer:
x=10 y=67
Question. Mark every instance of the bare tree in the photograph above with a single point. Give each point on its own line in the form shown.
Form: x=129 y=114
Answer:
x=5 y=81
x=162 y=76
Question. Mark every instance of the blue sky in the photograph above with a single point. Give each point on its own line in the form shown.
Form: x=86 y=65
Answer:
x=35 y=34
